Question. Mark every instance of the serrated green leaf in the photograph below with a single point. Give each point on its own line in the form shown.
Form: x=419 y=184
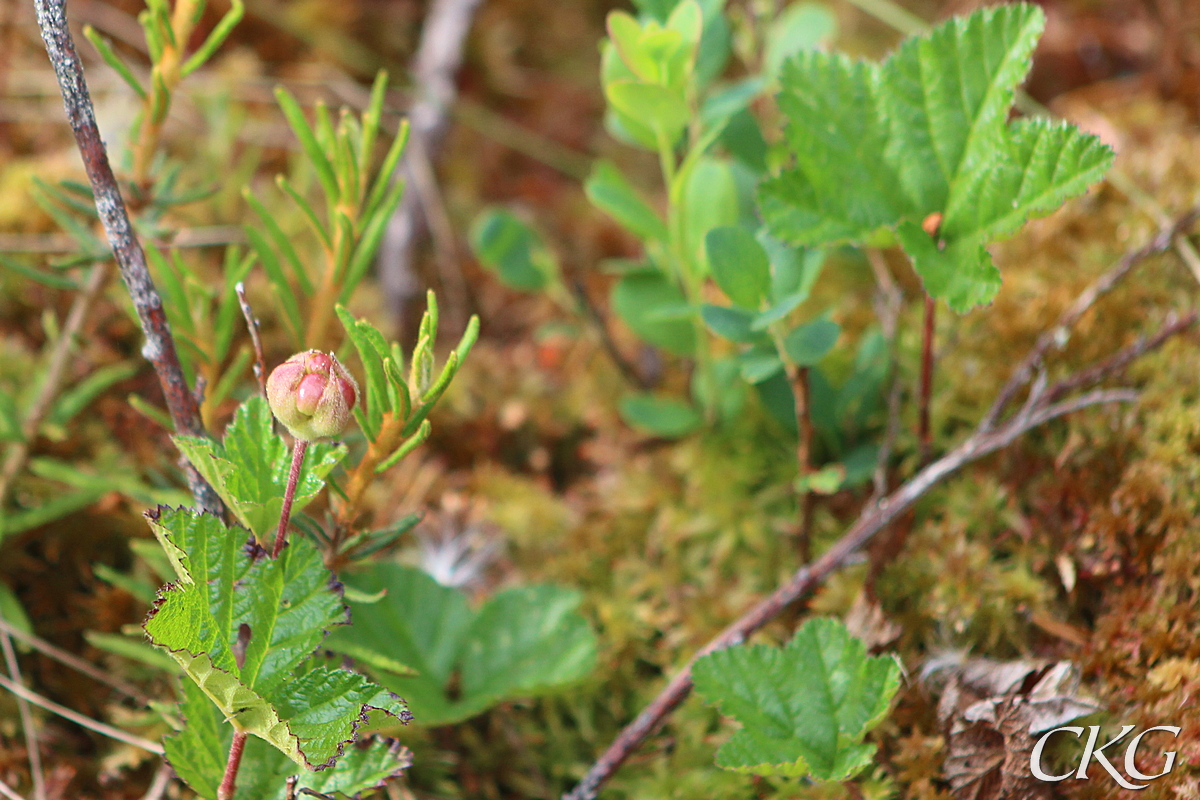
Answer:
x=524 y=642
x=198 y=752
x=805 y=707
x=286 y=605
x=927 y=132
x=249 y=468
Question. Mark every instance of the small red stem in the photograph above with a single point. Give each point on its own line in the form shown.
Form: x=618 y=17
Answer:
x=225 y=790
x=923 y=430
x=285 y=514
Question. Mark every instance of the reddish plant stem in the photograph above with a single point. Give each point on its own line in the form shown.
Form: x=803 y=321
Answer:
x=285 y=514
x=923 y=429
x=159 y=349
x=225 y=790
x=800 y=390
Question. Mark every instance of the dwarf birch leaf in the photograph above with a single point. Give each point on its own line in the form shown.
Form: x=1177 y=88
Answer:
x=286 y=605
x=249 y=468
x=808 y=344
x=804 y=708
x=739 y=265
x=927 y=132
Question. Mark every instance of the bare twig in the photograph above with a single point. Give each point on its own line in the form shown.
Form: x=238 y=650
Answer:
x=589 y=309
x=52 y=381
x=162 y=779
x=159 y=348
x=438 y=58
x=987 y=438
x=1060 y=334
x=1122 y=358
x=9 y=792
x=74 y=661
x=260 y=363
x=26 y=714
x=80 y=719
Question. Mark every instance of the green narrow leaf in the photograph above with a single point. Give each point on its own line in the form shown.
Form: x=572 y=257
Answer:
x=410 y=444
x=286 y=187
x=282 y=242
x=73 y=400
x=308 y=141
x=215 y=39
x=371 y=349
x=804 y=708
x=386 y=176
x=370 y=121
x=113 y=60
x=33 y=274
x=279 y=283
x=371 y=239
x=608 y=190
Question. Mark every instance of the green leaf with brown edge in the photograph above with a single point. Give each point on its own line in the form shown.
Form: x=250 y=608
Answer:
x=243 y=627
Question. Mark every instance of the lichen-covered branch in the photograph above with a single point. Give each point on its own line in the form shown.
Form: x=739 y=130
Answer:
x=159 y=348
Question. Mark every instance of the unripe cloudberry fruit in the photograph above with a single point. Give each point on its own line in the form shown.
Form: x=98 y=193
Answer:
x=313 y=395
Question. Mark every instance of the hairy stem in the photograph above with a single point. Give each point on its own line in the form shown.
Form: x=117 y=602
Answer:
x=299 y=446
x=159 y=349
x=924 y=436
x=229 y=779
